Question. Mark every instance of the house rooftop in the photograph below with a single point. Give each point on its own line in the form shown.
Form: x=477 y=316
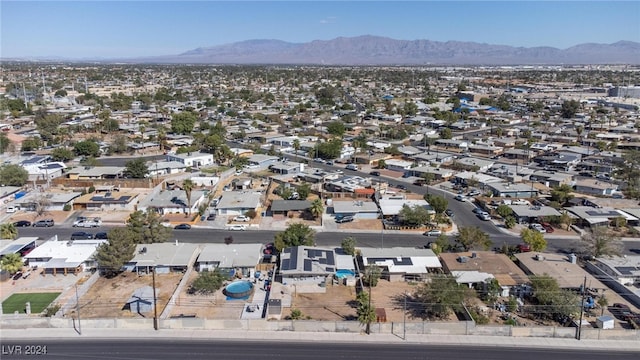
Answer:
x=499 y=265
x=558 y=266
x=163 y=254
x=232 y=255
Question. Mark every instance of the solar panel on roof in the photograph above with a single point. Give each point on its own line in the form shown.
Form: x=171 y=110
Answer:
x=285 y=264
x=626 y=270
x=307 y=265
x=330 y=259
x=322 y=261
x=610 y=213
x=293 y=259
x=330 y=269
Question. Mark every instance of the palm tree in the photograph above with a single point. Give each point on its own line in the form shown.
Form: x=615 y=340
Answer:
x=12 y=263
x=8 y=231
x=316 y=208
x=296 y=147
x=187 y=186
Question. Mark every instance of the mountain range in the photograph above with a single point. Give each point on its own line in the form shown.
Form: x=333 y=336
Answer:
x=375 y=50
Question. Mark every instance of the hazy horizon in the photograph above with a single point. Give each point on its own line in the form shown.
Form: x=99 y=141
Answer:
x=97 y=29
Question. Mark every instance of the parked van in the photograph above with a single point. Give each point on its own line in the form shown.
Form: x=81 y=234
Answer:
x=353 y=167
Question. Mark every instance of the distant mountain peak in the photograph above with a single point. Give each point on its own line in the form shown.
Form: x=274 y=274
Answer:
x=379 y=50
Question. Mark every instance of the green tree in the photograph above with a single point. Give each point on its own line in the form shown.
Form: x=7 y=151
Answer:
x=119 y=144
x=295 y=235
x=471 y=237
x=183 y=123
x=382 y=164
x=30 y=144
x=5 y=143
x=11 y=263
x=551 y=300
x=62 y=154
x=441 y=244
x=304 y=190
x=446 y=133
x=136 y=168
x=207 y=282
x=442 y=295
x=365 y=311
x=566 y=219
x=600 y=242
x=439 y=203
x=296 y=147
x=414 y=216
x=336 y=128
x=569 y=108
x=349 y=245
x=110 y=125
x=147 y=228
x=13 y=175
x=371 y=276
x=296 y=314
x=8 y=231
x=187 y=187
x=316 y=208
x=504 y=211
x=562 y=194
x=534 y=239
x=509 y=222
x=86 y=148
x=114 y=254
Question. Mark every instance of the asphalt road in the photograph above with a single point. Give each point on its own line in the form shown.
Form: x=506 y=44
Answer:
x=159 y=349
x=121 y=161
x=205 y=235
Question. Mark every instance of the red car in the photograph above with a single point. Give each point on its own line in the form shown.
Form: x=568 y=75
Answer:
x=547 y=227
x=524 y=248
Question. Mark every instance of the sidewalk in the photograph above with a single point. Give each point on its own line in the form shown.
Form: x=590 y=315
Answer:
x=327 y=337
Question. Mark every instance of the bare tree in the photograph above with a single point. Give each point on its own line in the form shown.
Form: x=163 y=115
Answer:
x=600 y=242
x=41 y=204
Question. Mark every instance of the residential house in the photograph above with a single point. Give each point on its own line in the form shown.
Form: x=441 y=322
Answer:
x=359 y=209
x=96 y=172
x=238 y=203
x=479 y=165
x=307 y=265
x=116 y=201
x=438 y=173
x=392 y=204
x=163 y=257
x=283 y=207
x=551 y=178
x=592 y=186
x=22 y=245
x=591 y=216
x=512 y=190
x=398 y=165
x=231 y=259
x=563 y=268
x=477 y=268
x=51 y=201
x=401 y=263
x=526 y=214
x=158 y=168
x=64 y=256
x=193 y=159
x=262 y=161
x=287 y=168
x=174 y=201
x=45 y=171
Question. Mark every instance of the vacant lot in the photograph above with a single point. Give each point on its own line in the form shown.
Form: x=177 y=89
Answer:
x=336 y=304
x=39 y=302
x=107 y=297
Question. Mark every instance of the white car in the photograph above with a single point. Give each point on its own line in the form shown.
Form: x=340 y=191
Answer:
x=242 y=218
x=237 y=227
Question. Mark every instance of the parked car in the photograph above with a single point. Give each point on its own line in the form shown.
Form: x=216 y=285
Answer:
x=44 y=223
x=237 y=227
x=477 y=210
x=22 y=223
x=329 y=162
x=79 y=219
x=101 y=235
x=473 y=193
x=242 y=218
x=318 y=160
x=547 y=227
x=524 y=248
x=344 y=219
x=211 y=217
x=182 y=227
x=433 y=232
x=12 y=209
x=17 y=276
x=537 y=227
x=460 y=197
x=449 y=212
x=401 y=187
x=353 y=167
x=375 y=173
x=81 y=235
x=90 y=223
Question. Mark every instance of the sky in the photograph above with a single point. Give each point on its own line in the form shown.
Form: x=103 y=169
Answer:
x=114 y=29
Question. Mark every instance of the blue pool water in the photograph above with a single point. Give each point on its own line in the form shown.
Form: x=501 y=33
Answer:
x=238 y=289
x=345 y=273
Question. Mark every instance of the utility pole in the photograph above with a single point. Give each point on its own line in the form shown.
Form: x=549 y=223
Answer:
x=78 y=311
x=404 y=319
x=584 y=292
x=369 y=309
x=155 y=303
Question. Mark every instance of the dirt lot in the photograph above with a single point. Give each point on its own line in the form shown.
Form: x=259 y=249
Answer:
x=212 y=306
x=107 y=297
x=336 y=304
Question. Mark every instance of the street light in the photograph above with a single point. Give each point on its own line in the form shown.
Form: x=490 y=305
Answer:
x=155 y=304
x=404 y=319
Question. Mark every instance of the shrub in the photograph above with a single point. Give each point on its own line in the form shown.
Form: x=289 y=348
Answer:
x=51 y=310
x=92 y=189
x=67 y=207
x=251 y=213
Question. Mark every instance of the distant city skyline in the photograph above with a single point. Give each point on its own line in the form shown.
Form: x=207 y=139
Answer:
x=97 y=29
